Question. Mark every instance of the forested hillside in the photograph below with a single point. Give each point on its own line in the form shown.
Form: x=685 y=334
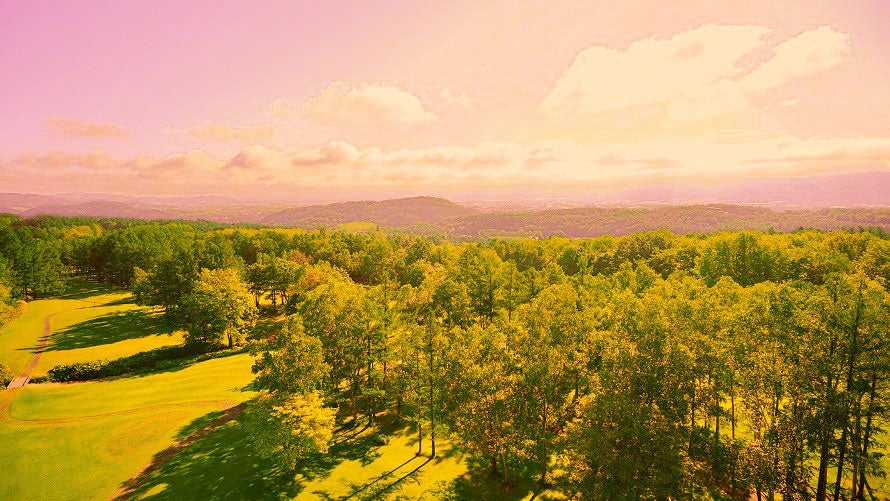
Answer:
x=653 y=365
x=399 y=212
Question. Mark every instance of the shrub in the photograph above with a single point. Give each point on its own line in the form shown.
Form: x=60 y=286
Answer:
x=145 y=361
x=78 y=371
x=6 y=375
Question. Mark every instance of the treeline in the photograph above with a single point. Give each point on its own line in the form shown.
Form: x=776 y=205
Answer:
x=651 y=366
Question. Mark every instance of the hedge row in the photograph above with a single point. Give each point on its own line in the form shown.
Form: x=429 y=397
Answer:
x=145 y=361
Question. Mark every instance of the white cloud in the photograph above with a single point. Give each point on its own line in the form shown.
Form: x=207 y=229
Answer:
x=692 y=76
x=365 y=104
x=454 y=99
x=804 y=55
x=280 y=108
x=727 y=154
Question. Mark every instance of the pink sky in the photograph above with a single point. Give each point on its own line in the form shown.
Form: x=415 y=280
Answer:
x=167 y=97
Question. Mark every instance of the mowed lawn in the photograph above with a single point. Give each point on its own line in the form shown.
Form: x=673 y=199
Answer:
x=106 y=331
x=376 y=462
x=83 y=440
x=90 y=323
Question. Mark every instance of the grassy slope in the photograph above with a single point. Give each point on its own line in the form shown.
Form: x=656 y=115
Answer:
x=107 y=331
x=361 y=464
x=82 y=440
x=18 y=338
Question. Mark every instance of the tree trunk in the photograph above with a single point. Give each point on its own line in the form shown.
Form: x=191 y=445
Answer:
x=543 y=458
x=868 y=416
x=419 y=438
x=432 y=409
x=732 y=403
x=851 y=364
x=827 y=432
x=717 y=410
x=856 y=447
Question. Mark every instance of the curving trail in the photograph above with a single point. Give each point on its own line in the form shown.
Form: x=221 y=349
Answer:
x=23 y=379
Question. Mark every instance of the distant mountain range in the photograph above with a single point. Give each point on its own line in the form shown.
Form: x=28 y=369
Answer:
x=828 y=202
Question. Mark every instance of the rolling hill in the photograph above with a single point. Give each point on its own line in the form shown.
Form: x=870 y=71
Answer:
x=398 y=212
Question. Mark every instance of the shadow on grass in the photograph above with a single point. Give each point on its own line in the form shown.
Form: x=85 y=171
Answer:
x=389 y=481
x=217 y=456
x=480 y=483
x=80 y=288
x=110 y=328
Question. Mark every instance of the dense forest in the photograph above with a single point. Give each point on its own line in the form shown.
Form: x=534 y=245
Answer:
x=648 y=366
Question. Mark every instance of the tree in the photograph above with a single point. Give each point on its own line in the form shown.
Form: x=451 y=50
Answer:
x=219 y=310
x=296 y=427
x=295 y=364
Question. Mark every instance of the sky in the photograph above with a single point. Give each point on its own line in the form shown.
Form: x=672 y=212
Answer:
x=255 y=98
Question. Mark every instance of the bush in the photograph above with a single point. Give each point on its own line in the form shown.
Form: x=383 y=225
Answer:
x=6 y=375
x=145 y=361
x=78 y=371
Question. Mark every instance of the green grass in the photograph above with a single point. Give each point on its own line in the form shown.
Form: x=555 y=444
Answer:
x=362 y=463
x=83 y=440
x=105 y=332
x=87 y=325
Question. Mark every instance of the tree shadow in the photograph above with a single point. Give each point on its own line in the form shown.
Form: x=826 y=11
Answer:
x=379 y=487
x=122 y=301
x=110 y=328
x=80 y=288
x=215 y=458
x=161 y=360
x=479 y=482
x=218 y=456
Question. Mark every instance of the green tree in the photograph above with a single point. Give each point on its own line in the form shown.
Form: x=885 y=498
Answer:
x=219 y=311
x=294 y=364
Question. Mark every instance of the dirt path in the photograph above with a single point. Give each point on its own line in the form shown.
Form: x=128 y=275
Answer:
x=128 y=488
x=23 y=379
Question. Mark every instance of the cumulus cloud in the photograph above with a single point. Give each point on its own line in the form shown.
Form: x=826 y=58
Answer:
x=365 y=104
x=804 y=55
x=225 y=132
x=692 y=76
x=280 y=108
x=84 y=129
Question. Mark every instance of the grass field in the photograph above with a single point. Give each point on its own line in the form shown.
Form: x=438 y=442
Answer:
x=83 y=440
x=108 y=331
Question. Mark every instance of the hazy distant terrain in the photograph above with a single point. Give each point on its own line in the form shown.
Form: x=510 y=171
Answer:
x=824 y=202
